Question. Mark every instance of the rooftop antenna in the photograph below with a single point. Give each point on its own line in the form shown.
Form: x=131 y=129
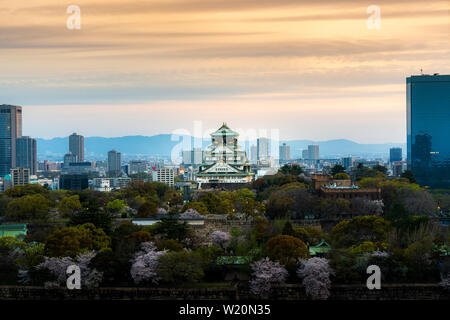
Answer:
x=421 y=71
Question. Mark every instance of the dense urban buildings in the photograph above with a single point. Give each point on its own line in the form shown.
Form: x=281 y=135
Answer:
x=76 y=146
x=428 y=133
x=26 y=154
x=10 y=130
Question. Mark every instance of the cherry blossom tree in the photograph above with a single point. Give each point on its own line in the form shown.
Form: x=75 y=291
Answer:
x=266 y=274
x=90 y=278
x=146 y=263
x=316 y=277
x=190 y=213
x=162 y=211
x=221 y=239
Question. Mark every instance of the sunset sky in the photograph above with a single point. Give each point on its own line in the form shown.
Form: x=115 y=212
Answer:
x=312 y=69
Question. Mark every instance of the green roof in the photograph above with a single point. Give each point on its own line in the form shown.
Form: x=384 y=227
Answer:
x=227 y=260
x=225 y=174
x=442 y=249
x=224 y=130
x=322 y=247
x=13 y=230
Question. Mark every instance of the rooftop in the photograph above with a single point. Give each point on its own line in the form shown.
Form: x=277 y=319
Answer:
x=224 y=130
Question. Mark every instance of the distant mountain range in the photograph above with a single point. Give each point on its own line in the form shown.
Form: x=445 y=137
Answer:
x=96 y=148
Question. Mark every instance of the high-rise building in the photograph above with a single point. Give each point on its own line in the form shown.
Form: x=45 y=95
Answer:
x=395 y=154
x=313 y=152
x=76 y=146
x=263 y=148
x=428 y=133
x=285 y=152
x=194 y=156
x=20 y=176
x=253 y=153
x=197 y=156
x=10 y=130
x=305 y=154
x=114 y=163
x=68 y=159
x=26 y=154
x=348 y=162
x=187 y=157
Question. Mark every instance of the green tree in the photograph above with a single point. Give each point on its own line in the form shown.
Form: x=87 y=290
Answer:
x=180 y=267
x=171 y=197
x=148 y=209
x=29 y=207
x=337 y=169
x=200 y=207
x=170 y=244
x=261 y=229
x=293 y=169
x=309 y=235
x=380 y=168
x=212 y=201
x=357 y=230
x=252 y=208
x=278 y=205
x=170 y=228
x=116 y=207
x=245 y=193
x=341 y=176
x=26 y=190
x=286 y=249
x=100 y=219
x=408 y=174
x=288 y=230
x=69 y=206
x=225 y=207
x=70 y=241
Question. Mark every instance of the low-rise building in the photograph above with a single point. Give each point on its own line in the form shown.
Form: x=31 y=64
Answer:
x=164 y=175
x=20 y=176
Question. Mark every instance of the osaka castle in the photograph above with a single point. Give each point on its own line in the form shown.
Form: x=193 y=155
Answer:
x=224 y=164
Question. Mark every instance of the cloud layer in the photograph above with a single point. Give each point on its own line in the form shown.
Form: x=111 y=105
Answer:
x=295 y=65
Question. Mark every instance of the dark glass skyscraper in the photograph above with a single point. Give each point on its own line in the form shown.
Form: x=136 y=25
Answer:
x=428 y=128
x=395 y=154
x=10 y=130
x=26 y=154
x=114 y=163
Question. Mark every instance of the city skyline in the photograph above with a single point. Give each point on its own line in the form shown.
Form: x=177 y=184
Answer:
x=314 y=70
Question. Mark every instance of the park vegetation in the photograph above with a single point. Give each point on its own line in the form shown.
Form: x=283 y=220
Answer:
x=400 y=233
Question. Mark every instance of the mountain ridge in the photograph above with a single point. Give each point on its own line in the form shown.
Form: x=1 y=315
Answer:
x=96 y=147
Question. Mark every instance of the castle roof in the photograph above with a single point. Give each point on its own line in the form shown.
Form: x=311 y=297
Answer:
x=224 y=130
